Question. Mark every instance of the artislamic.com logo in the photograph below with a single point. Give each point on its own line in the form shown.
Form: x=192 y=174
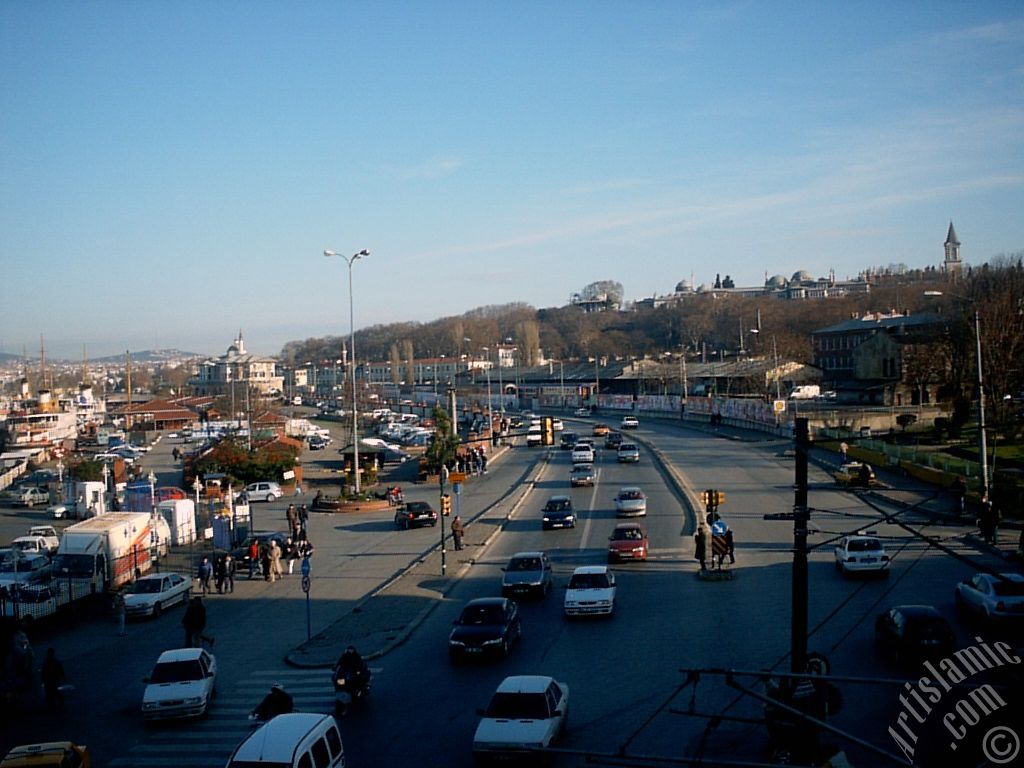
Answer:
x=1000 y=744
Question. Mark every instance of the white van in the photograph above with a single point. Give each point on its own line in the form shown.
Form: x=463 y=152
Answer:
x=533 y=435
x=297 y=740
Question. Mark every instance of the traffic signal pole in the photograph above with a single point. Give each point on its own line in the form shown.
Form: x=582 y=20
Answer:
x=798 y=629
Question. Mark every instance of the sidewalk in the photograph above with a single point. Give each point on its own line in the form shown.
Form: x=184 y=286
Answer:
x=385 y=618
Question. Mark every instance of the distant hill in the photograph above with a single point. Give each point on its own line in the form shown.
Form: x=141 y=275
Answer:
x=150 y=356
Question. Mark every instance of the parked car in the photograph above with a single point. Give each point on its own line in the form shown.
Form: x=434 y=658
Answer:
x=600 y=430
x=591 y=592
x=630 y=500
x=181 y=685
x=526 y=713
x=628 y=542
x=582 y=474
x=559 y=513
x=628 y=453
x=150 y=594
x=487 y=625
x=18 y=568
x=32 y=545
x=415 y=514
x=527 y=573
x=317 y=443
x=912 y=633
x=568 y=440
x=263 y=491
x=993 y=598
x=582 y=454
x=557 y=425
x=613 y=440
x=861 y=554
x=51 y=754
x=61 y=511
x=49 y=533
x=30 y=496
x=581 y=412
x=630 y=422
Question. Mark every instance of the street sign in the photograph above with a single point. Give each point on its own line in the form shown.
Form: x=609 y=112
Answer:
x=305 y=584
x=779 y=406
x=718 y=528
x=457 y=477
x=305 y=566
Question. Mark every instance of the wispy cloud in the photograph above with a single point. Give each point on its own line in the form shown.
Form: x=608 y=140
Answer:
x=437 y=167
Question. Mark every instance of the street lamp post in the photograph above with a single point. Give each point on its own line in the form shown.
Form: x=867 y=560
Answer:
x=490 y=405
x=152 y=492
x=350 y=260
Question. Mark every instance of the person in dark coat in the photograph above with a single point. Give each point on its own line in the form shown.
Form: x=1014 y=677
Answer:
x=730 y=546
x=229 y=574
x=218 y=575
x=700 y=540
x=458 y=530
x=194 y=622
x=52 y=675
x=293 y=517
x=205 y=574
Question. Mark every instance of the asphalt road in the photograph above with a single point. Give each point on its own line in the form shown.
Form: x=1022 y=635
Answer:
x=627 y=691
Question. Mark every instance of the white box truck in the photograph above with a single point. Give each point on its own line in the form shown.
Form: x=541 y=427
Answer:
x=107 y=550
x=180 y=515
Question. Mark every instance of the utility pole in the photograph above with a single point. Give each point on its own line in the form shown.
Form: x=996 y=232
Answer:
x=798 y=629
x=982 y=446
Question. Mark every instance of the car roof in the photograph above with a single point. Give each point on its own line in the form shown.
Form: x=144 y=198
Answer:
x=560 y=497
x=1015 y=577
x=180 y=654
x=863 y=538
x=918 y=611
x=525 y=684
x=628 y=525
x=486 y=601
x=536 y=553
x=276 y=740
x=630 y=488
x=591 y=569
x=582 y=468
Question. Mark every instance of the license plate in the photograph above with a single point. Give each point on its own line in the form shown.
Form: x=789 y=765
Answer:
x=868 y=560
x=473 y=650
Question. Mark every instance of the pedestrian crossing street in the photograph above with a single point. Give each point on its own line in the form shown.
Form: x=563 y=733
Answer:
x=208 y=743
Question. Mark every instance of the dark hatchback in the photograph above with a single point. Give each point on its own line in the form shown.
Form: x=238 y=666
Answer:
x=912 y=633
x=415 y=514
x=559 y=513
x=613 y=440
x=568 y=440
x=487 y=626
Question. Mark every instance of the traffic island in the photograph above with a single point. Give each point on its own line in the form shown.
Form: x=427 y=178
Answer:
x=334 y=504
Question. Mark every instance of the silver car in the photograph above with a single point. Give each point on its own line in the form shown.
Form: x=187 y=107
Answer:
x=630 y=500
x=994 y=598
x=527 y=573
x=628 y=453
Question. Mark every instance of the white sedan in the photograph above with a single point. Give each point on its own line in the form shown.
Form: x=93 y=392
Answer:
x=526 y=713
x=591 y=592
x=994 y=598
x=181 y=685
x=857 y=554
x=630 y=500
x=150 y=594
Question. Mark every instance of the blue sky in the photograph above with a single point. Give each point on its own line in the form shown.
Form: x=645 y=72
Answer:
x=172 y=171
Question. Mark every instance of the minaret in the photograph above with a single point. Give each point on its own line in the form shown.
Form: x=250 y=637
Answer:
x=952 y=265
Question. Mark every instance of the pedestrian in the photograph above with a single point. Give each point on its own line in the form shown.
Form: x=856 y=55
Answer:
x=254 y=557
x=730 y=546
x=52 y=675
x=843 y=449
x=989 y=521
x=303 y=517
x=120 y=613
x=457 y=532
x=229 y=574
x=960 y=493
x=194 y=622
x=305 y=549
x=265 y=563
x=483 y=462
x=275 y=560
x=298 y=489
x=298 y=532
x=205 y=574
x=700 y=540
x=293 y=555
x=292 y=516
x=218 y=575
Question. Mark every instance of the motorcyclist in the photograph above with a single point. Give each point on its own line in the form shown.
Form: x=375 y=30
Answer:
x=277 y=702
x=351 y=672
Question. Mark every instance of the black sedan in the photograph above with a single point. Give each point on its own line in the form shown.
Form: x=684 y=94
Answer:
x=613 y=440
x=415 y=514
x=568 y=440
x=559 y=513
x=913 y=633
x=487 y=626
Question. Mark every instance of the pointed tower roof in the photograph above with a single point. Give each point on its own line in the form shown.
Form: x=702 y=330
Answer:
x=951 y=235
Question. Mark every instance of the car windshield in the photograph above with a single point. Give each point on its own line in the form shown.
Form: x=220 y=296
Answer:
x=633 y=494
x=558 y=505
x=927 y=629
x=588 y=581
x=147 y=587
x=1008 y=588
x=627 y=534
x=481 y=614
x=627 y=447
x=525 y=564
x=518 y=706
x=177 y=672
x=583 y=469
x=417 y=506
x=863 y=545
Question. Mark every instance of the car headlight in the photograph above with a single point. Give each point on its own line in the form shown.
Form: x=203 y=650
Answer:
x=491 y=642
x=151 y=705
x=638 y=549
x=547 y=519
x=457 y=643
x=194 y=700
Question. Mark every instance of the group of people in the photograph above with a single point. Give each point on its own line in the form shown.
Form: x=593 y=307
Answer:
x=395 y=496
x=221 y=573
x=472 y=461
x=702 y=548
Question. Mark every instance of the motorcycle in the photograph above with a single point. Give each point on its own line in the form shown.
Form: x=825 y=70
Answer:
x=277 y=702
x=349 y=692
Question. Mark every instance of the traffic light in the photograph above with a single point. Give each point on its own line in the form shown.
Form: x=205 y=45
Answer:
x=446 y=504
x=548 y=433
x=712 y=498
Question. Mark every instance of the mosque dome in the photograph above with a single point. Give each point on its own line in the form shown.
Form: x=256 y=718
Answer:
x=775 y=281
x=683 y=286
x=802 y=276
